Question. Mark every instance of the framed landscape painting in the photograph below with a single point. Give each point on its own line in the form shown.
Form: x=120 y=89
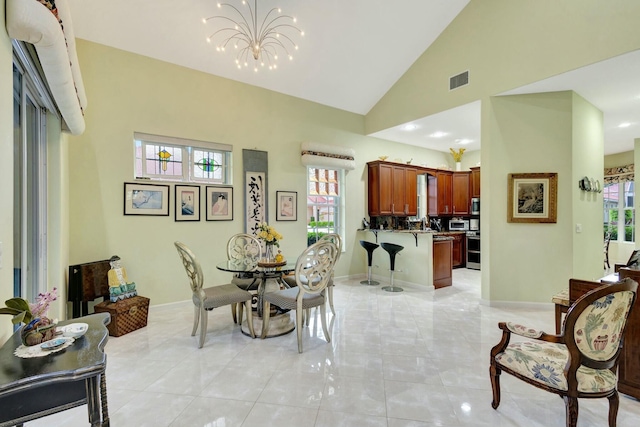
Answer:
x=187 y=203
x=532 y=197
x=146 y=199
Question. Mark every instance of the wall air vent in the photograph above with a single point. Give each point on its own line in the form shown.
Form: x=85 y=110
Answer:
x=461 y=79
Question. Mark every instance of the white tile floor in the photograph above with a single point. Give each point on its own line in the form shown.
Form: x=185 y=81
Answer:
x=410 y=359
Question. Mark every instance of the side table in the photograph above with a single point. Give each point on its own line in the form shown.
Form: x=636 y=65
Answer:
x=36 y=387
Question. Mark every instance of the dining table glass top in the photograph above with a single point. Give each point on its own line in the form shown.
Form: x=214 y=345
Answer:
x=240 y=266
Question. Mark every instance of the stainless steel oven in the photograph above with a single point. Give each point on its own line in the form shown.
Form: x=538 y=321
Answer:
x=473 y=250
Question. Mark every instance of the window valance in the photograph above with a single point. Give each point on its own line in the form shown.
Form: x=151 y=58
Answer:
x=327 y=156
x=619 y=174
x=47 y=25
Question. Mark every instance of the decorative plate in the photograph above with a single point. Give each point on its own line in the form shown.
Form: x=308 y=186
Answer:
x=53 y=344
x=586 y=185
x=271 y=264
x=74 y=330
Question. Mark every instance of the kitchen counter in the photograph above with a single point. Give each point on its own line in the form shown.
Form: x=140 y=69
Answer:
x=414 y=264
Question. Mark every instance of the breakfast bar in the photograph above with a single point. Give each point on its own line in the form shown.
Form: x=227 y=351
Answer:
x=414 y=265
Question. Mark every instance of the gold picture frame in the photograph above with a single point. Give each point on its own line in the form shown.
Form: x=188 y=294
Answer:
x=532 y=198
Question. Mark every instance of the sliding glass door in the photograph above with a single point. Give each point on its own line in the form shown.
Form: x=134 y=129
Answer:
x=29 y=188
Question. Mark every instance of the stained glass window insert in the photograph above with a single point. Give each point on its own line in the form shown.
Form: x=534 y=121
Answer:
x=163 y=160
x=175 y=159
x=209 y=165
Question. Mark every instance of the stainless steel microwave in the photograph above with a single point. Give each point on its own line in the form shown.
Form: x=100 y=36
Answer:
x=458 y=225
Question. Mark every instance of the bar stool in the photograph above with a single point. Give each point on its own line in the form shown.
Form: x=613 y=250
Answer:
x=370 y=247
x=393 y=250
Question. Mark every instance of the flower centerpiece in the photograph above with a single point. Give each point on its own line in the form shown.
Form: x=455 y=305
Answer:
x=457 y=156
x=37 y=327
x=271 y=238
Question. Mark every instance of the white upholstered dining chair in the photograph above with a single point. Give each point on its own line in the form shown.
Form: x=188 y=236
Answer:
x=246 y=249
x=312 y=273
x=206 y=299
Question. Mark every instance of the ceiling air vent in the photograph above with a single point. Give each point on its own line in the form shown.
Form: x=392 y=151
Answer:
x=461 y=79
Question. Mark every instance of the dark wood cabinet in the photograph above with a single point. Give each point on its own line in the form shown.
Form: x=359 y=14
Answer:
x=380 y=189
x=474 y=185
x=459 y=260
x=442 y=263
x=460 y=193
x=629 y=367
x=393 y=189
x=440 y=193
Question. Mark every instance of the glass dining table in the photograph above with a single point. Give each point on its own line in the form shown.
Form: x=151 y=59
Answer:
x=269 y=280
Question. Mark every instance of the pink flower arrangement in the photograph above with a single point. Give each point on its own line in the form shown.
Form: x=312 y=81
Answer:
x=41 y=306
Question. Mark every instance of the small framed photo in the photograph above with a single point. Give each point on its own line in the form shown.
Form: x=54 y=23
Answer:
x=187 y=202
x=146 y=199
x=287 y=209
x=219 y=203
x=532 y=197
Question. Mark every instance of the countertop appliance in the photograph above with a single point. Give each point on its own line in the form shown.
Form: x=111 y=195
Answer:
x=475 y=206
x=458 y=225
x=474 y=224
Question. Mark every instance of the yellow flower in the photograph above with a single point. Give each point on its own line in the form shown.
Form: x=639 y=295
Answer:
x=268 y=234
x=457 y=155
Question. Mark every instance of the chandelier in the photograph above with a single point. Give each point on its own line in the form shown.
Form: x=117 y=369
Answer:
x=261 y=39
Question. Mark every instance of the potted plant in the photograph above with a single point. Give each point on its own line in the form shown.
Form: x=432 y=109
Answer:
x=37 y=327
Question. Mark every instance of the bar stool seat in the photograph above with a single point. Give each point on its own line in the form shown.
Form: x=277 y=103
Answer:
x=370 y=247
x=392 y=249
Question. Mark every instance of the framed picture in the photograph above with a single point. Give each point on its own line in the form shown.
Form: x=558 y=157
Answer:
x=219 y=203
x=287 y=206
x=532 y=197
x=146 y=199
x=187 y=202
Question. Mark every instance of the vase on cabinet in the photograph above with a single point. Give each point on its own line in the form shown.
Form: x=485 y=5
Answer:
x=458 y=166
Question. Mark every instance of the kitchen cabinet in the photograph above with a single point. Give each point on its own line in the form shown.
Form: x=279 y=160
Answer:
x=442 y=262
x=458 y=251
x=460 y=193
x=393 y=189
x=474 y=186
x=440 y=193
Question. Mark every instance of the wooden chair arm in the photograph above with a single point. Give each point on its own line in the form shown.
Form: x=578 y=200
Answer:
x=527 y=332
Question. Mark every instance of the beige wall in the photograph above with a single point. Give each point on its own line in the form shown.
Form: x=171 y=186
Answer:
x=618 y=159
x=506 y=44
x=6 y=176
x=539 y=133
x=131 y=93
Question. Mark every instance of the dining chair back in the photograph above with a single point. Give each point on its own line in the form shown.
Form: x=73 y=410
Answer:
x=312 y=274
x=337 y=240
x=245 y=249
x=206 y=299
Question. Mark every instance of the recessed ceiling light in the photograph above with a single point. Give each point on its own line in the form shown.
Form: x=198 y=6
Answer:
x=409 y=127
x=438 y=134
x=624 y=125
x=463 y=141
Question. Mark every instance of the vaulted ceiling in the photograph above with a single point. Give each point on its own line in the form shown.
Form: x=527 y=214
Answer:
x=351 y=54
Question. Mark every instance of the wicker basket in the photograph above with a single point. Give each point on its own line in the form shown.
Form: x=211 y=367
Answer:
x=126 y=315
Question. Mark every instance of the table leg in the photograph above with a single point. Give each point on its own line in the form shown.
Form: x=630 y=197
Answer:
x=103 y=399
x=93 y=401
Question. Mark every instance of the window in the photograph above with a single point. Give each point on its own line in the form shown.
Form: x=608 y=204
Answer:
x=619 y=214
x=29 y=177
x=183 y=160
x=325 y=202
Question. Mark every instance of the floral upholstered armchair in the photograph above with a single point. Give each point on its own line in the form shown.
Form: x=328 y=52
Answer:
x=582 y=361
